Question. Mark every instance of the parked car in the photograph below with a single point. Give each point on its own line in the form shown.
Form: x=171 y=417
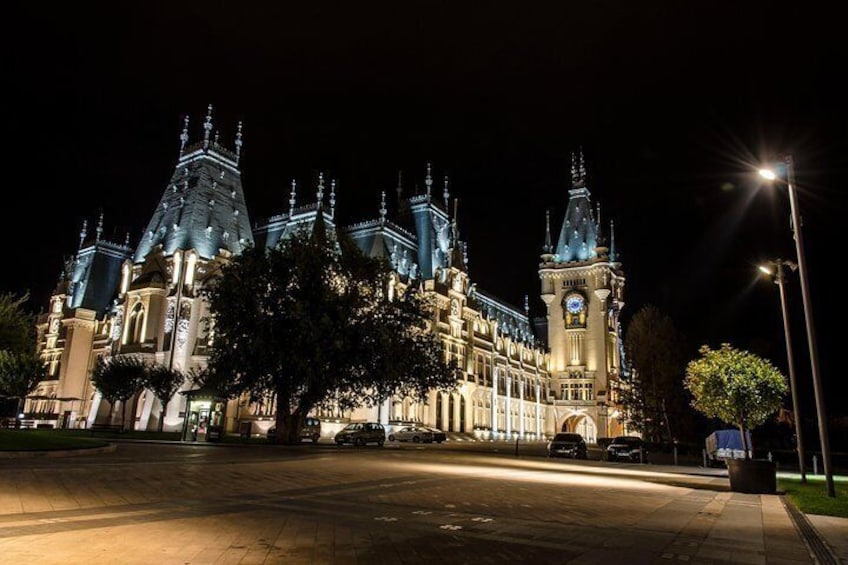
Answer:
x=360 y=433
x=438 y=435
x=414 y=434
x=629 y=448
x=567 y=445
x=310 y=431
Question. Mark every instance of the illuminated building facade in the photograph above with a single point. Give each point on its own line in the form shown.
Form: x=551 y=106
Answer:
x=511 y=384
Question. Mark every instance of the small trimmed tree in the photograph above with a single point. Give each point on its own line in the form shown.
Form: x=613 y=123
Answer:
x=20 y=374
x=164 y=382
x=735 y=386
x=118 y=379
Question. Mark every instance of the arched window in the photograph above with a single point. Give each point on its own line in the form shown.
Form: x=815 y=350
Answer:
x=134 y=325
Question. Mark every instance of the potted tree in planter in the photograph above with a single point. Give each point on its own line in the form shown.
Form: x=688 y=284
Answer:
x=741 y=389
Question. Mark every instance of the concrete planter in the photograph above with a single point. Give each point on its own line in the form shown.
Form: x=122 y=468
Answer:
x=753 y=476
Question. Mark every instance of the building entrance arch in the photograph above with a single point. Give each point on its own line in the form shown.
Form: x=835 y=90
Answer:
x=583 y=425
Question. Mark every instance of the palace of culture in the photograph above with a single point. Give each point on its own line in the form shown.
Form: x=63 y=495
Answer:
x=521 y=377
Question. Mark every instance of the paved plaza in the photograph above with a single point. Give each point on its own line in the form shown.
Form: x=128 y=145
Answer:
x=186 y=504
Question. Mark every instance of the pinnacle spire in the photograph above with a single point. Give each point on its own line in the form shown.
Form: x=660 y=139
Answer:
x=526 y=305
x=383 y=207
x=428 y=180
x=399 y=187
x=83 y=232
x=127 y=240
x=333 y=197
x=207 y=126
x=446 y=194
x=548 y=248
x=578 y=169
x=292 y=199
x=320 y=193
x=612 y=242
x=99 y=229
x=184 y=135
x=238 y=142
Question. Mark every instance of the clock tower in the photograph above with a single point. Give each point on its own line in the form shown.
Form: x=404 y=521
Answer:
x=582 y=287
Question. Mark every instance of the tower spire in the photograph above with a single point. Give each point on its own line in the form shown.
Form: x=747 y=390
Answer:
x=320 y=193
x=99 y=229
x=333 y=197
x=612 y=242
x=399 y=188
x=238 y=142
x=548 y=247
x=184 y=135
x=207 y=126
x=526 y=305
x=578 y=169
x=383 y=209
x=83 y=232
x=292 y=199
x=446 y=194
x=428 y=180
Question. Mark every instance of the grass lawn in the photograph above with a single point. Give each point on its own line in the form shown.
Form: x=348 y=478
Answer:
x=44 y=440
x=811 y=498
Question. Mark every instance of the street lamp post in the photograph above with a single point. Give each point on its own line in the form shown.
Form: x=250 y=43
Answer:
x=808 y=317
x=779 y=279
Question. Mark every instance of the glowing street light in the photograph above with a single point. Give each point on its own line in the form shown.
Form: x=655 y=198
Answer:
x=770 y=174
x=775 y=269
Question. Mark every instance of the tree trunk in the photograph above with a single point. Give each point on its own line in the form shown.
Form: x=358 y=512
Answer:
x=162 y=416
x=744 y=440
x=20 y=410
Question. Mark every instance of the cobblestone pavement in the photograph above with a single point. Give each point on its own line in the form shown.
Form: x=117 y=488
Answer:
x=147 y=503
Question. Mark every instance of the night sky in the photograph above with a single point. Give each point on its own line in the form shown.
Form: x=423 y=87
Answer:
x=674 y=105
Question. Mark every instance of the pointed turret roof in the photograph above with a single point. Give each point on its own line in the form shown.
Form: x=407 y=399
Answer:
x=203 y=206
x=579 y=234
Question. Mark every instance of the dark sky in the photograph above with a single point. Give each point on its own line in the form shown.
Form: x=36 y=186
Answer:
x=674 y=104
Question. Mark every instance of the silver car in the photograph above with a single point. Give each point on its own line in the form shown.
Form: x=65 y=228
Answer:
x=414 y=434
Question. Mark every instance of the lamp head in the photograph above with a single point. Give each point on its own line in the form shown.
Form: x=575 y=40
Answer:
x=768 y=174
x=765 y=269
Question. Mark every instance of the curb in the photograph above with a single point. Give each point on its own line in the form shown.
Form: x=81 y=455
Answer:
x=58 y=452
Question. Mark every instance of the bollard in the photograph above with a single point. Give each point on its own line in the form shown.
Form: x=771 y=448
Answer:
x=815 y=465
x=704 y=454
x=516 y=446
x=675 y=455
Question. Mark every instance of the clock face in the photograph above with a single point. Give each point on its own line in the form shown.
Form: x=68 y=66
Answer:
x=574 y=303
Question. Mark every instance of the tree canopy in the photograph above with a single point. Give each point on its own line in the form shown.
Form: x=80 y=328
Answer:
x=310 y=323
x=119 y=378
x=653 y=398
x=20 y=374
x=735 y=386
x=16 y=325
x=164 y=382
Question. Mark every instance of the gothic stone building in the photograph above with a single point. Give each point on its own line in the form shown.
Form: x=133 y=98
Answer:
x=520 y=377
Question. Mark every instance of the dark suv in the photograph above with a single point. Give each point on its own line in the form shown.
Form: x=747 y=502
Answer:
x=361 y=433
x=567 y=445
x=628 y=448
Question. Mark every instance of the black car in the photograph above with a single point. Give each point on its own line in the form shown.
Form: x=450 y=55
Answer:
x=438 y=435
x=360 y=433
x=627 y=448
x=567 y=445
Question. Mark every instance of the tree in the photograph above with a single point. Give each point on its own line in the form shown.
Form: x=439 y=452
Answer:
x=164 y=382
x=654 y=396
x=118 y=379
x=310 y=322
x=735 y=386
x=16 y=325
x=20 y=374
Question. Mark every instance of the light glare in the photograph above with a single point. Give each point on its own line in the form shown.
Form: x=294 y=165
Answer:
x=765 y=269
x=767 y=174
